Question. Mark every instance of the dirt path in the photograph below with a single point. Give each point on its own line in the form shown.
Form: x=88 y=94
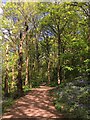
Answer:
x=36 y=104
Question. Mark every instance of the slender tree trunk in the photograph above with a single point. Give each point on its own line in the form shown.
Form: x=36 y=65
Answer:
x=30 y=73
x=48 y=72
x=63 y=71
x=30 y=64
x=13 y=78
x=59 y=61
x=48 y=59
x=27 y=65
x=89 y=41
x=27 y=70
x=54 y=59
x=37 y=54
x=36 y=45
x=6 y=76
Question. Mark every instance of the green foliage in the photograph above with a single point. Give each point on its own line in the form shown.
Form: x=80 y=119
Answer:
x=53 y=84
x=7 y=104
x=46 y=21
x=58 y=106
x=26 y=89
x=68 y=68
x=73 y=99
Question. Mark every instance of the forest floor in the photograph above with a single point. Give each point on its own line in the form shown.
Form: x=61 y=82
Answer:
x=37 y=104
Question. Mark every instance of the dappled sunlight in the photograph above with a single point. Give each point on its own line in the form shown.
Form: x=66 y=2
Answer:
x=37 y=103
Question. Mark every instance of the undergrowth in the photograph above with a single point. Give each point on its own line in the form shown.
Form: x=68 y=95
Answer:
x=72 y=99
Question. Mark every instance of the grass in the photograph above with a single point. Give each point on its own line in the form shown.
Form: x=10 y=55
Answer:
x=7 y=103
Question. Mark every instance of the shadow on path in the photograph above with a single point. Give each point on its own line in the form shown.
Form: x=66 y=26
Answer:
x=35 y=105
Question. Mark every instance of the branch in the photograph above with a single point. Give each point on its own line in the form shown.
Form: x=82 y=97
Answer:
x=76 y=4
x=86 y=12
x=53 y=29
x=62 y=29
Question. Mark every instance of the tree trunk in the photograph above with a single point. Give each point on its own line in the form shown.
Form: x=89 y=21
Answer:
x=48 y=59
x=27 y=64
x=6 y=76
x=49 y=72
x=30 y=74
x=30 y=64
x=62 y=70
x=89 y=41
x=20 y=61
x=27 y=71
x=59 y=61
x=37 y=54
x=13 y=78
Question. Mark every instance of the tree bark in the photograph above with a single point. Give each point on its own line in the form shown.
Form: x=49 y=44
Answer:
x=36 y=44
x=30 y=63
x=20 y=61
x=59 y=61
x=6 y=76
x=13 y=78
x=48 y=59
x=49 y=72
x=89 y=40
x=37 y=54
x=30 y=73
x=27 y=63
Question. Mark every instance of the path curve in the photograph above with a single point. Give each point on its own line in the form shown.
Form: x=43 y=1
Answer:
x=36 y=104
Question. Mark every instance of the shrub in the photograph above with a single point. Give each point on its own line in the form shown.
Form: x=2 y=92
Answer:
x=75 y=97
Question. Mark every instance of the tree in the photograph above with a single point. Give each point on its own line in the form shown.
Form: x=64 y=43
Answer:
x=55 y=20
x=7 y=70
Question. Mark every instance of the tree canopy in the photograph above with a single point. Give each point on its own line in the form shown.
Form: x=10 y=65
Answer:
x=44 y=42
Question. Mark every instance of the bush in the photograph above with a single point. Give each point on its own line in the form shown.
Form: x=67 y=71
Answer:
x=75 y=97
x=26 y=89
x=7 y=102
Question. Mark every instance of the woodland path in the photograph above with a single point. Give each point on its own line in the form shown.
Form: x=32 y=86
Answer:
x=37 y=104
